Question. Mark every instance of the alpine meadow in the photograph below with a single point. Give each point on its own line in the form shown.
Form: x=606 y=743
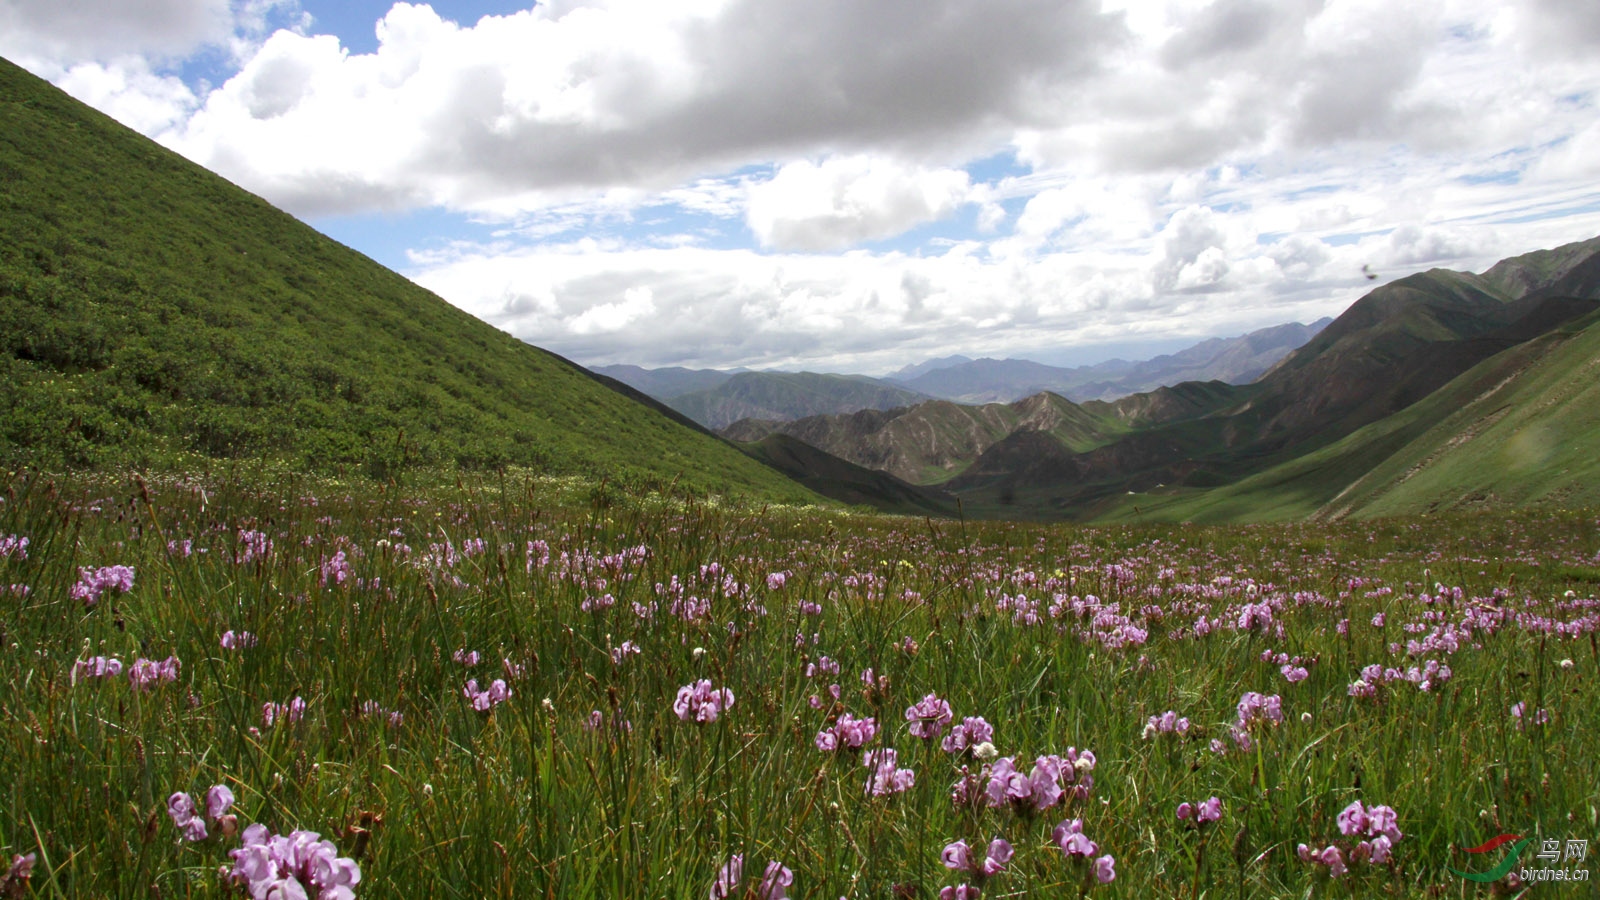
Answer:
x=315 y=585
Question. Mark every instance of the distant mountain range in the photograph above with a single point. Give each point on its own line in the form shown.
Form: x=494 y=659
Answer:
x=717 y=398
x=1371 y=414
x=1236 y=360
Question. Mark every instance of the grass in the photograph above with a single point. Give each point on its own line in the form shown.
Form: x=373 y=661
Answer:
x=526 y=799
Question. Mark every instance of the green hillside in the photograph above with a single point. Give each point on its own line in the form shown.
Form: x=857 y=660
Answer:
x=153 y=313
x=1519 y=429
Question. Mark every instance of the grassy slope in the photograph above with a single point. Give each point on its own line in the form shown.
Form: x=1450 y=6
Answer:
x=1517 y=429
x=151 y=312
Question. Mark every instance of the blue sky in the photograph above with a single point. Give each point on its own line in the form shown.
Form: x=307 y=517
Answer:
x=843 y=186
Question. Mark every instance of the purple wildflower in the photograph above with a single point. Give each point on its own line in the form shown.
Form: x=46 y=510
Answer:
x=218 y=800
x=729 y=878
x=998 y=856
x=94 y=582
x=290 y=712
x=297 y=865
x=232 y=640
x=96 y=667
x=886 y=778
x=1104 y=869
x=848 y=733
x=335 y=570
x=145 y=673
x=958 y=892
x=928 y=717
x=957 y=855
x=700 y=702
x=13 y=547
x=487 y=699
x=972 y=731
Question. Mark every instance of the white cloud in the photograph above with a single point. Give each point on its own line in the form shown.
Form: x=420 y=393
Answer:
x=848 y=200
x=128 y=91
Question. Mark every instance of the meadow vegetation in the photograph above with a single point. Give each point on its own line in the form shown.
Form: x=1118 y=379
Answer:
x=526 y=687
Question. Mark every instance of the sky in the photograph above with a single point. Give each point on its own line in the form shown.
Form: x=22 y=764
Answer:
x=839 y=185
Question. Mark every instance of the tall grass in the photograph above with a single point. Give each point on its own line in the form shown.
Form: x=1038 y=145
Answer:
x=585 y=783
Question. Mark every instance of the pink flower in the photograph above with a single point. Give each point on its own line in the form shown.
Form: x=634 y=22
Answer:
x=999 y=854
x=94 y=582
x=218 y=800
x=775 y=882
x=1104 y=871
x=886 y=777
x=297 y=865
x=958 y=892
x=972 y=731
x=1334 y=860
x=700 y=702
x=729 y=878
x=928 y=717
x=957 y=855
x=1070 y=838
x=1352 y=820
x=1210 y=811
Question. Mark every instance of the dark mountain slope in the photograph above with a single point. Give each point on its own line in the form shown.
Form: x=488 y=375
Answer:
x=847 y=482
x=1391 y=349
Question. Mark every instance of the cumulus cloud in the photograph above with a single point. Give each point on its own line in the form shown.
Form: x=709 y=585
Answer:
x=566 y=98
x=848 y=200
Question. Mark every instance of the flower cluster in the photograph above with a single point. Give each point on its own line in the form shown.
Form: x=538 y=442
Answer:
x=16 y=878
x=335 y=570
x=13 y=547
x=94 y=582
x=272 y=866
x=848 y=733
x=1203 y=813
x=886 y=777
x=623 y=651
x=186 y=817
x=1426 y=677
x=237 y=640
x=700 y=702
x=1540 y=716
x=1378 y=828
x=1042 y=787
x=466 y=657
x=290 y=712
x=966 y=737
x=928 y=716
x=775 y=881
x=1255 y=709
x=96 y=667
x=1168 y=722
x=1076 y=846
x=146 y=673
x=485 y=700
x=372 y=708
x=958 y=856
